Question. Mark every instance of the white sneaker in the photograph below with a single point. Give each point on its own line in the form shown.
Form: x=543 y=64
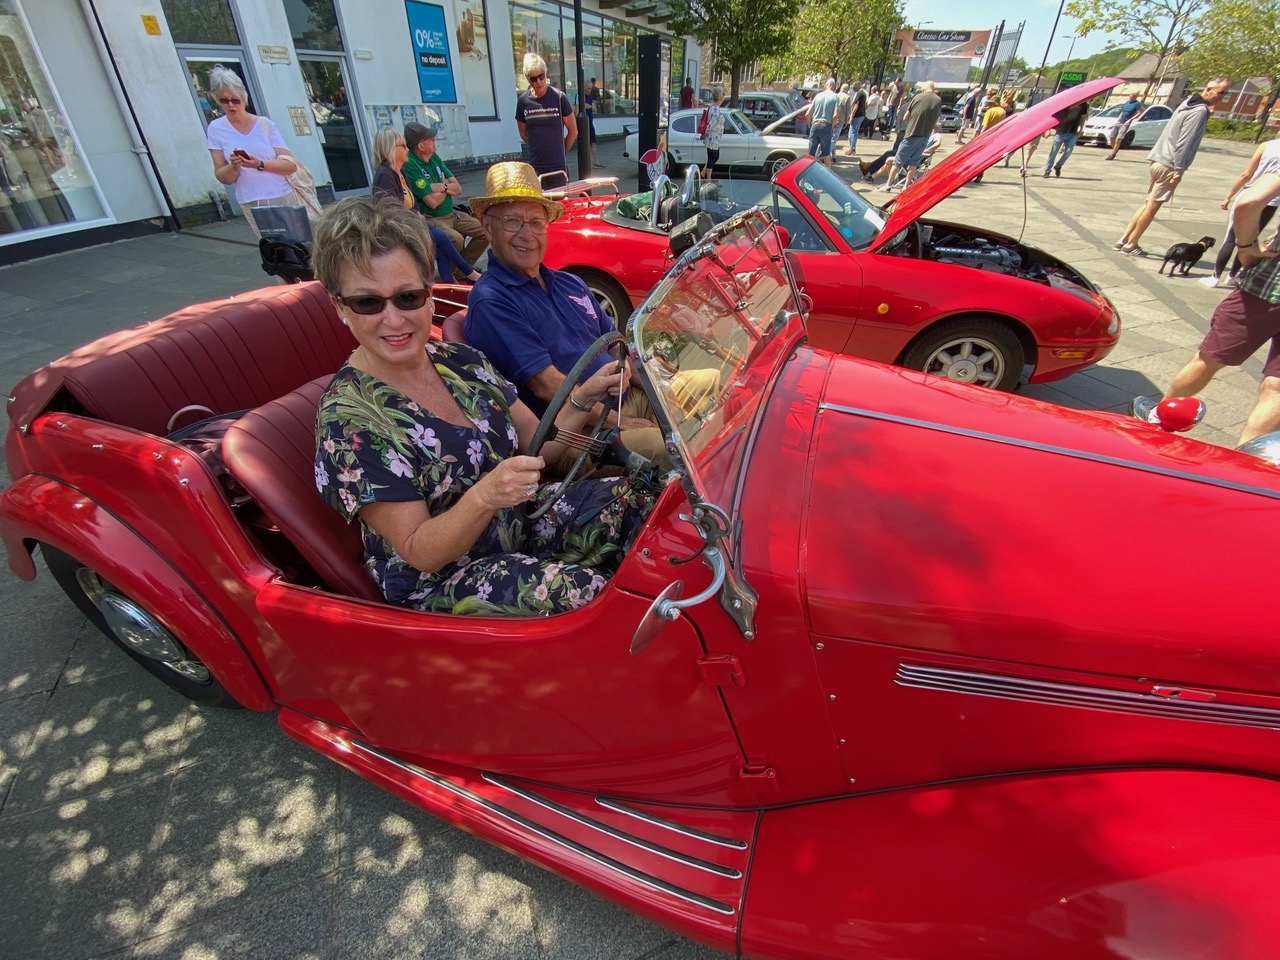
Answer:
x=1144 y=408
x=1210 y=281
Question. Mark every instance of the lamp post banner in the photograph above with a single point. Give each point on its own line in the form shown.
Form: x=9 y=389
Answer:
x=962 y=44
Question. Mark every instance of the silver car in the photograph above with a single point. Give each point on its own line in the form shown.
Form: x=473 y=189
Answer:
x=1100 y=128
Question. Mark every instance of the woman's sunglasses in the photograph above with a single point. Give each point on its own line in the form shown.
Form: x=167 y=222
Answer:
x=236 y=101
x=368 y=304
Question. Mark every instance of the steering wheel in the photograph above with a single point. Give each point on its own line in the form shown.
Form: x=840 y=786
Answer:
x=547 y=429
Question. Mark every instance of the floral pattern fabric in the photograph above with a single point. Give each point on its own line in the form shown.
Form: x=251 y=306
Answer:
x=375 y=444
x=715 y=128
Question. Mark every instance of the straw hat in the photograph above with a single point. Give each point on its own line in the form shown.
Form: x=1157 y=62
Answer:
x=512 y=181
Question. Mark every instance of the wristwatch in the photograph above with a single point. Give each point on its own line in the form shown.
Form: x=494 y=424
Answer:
x=262 y=164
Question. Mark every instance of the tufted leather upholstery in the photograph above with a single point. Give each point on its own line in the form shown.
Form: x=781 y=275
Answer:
x=227 y=355
x=271 y=451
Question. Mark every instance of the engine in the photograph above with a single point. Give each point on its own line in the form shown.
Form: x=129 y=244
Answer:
x=980 y=254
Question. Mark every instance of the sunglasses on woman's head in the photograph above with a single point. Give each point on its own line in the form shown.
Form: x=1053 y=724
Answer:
x=368 y=304
x=230 y=100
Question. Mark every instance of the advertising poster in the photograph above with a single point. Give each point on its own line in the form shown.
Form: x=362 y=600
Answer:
x=431 y=52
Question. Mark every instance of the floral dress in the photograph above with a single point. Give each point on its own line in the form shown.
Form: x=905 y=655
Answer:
x=715 y=127
x=375 y=444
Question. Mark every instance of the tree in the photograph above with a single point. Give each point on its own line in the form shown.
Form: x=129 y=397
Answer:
x=846 y=39
x=1240 y=38
x=1156 y=26
x=740 y=32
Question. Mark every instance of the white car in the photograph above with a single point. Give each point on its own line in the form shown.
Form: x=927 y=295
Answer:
x=743 y=144
x=1100 y=128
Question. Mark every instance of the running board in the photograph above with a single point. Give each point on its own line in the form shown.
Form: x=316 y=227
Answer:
x=682 y=867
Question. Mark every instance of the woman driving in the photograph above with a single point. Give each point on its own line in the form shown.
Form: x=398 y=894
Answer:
x=421 y=441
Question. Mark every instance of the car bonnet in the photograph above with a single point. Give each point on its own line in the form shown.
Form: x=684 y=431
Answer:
x=773 y=127
x=980 y=153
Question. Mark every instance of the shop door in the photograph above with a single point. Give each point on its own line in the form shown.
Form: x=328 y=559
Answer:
x=335 y=122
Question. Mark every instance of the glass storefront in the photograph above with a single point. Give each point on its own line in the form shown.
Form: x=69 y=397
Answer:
x=44 y=181
x=608 y=53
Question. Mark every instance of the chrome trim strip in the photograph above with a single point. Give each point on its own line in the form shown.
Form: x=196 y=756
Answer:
x=617 y=807
x=689 y=861
x=1075 y=695
x=1050 y=448
x=605 y=861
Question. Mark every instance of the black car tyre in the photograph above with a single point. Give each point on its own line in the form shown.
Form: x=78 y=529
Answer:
x=135 y=630
x=1128 y=140
x=978 y=350
x=613 y=299
x=774 y=165
x=673 y=168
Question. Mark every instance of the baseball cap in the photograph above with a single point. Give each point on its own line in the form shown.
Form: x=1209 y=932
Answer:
x=415 y=133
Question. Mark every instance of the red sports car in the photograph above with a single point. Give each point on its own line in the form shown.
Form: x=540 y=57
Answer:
x=968 y=304
x=896 y=667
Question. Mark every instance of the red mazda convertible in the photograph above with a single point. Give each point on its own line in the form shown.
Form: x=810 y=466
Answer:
x=896 y=667
x=885 y=284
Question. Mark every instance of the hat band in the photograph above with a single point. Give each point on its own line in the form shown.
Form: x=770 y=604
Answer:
x=515 y=193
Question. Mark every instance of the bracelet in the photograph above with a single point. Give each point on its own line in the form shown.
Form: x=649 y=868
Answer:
x=1242 y=246
x=576 y=405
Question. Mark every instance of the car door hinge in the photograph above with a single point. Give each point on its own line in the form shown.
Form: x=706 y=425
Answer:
x=761 y=780
x=722 y=671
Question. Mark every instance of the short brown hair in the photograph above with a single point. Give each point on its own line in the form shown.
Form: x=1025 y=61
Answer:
x=356 y=229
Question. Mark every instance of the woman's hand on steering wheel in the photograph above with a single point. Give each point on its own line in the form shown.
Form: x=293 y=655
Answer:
x=513 y=481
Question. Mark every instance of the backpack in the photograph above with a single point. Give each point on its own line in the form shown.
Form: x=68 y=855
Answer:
x=702 y=122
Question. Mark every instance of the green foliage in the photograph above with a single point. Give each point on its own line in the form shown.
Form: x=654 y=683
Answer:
x=1153 y=25
x=739 y=31
x=846 y=39
x=1239 y=38
x=1242 y=130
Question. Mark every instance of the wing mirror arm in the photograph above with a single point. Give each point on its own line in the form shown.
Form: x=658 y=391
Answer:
x=667 y=606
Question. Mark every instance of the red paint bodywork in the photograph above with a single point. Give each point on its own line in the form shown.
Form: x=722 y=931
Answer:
x=966 y=724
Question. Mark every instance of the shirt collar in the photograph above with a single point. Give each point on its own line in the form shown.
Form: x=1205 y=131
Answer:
x=509 y=278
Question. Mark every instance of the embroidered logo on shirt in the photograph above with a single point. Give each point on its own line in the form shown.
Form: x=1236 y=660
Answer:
x=419 y=183
x=587 y=303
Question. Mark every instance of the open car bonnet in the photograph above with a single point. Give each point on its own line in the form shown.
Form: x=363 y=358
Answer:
x=772 y=128
x=947 y=176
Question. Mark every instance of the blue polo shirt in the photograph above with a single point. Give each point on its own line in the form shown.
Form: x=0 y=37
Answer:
x=523 y=328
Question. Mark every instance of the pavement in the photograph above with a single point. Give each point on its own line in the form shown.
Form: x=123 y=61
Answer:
x=133 y=824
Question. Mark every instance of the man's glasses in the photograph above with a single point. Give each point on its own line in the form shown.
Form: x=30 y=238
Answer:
x=536 y=77
x=514 y=225
x=368 y=304
x=232 y=101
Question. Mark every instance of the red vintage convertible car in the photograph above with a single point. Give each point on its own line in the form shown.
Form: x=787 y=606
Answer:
x=897 y=667
x=968 y=304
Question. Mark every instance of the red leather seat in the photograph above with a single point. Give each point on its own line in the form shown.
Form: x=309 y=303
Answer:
x=271 y=451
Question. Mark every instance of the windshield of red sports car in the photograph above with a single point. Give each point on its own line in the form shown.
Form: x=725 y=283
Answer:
x=857 y=221
x=703 y=338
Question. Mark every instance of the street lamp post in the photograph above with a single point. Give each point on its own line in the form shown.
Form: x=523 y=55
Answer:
x=1070 y=50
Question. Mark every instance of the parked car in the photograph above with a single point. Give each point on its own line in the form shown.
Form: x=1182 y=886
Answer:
x=765 y=107
x=1100 y=128
x=742 y=148
x=969 y=304
x=869 y=682
x=950 y=119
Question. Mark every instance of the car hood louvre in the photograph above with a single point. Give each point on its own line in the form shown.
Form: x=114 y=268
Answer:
x=979 y=154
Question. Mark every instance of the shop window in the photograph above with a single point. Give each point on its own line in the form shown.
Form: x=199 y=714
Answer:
x=44 y=181
x=475 y=64
x=314 y=24
x=620 y=81
x=201 y=21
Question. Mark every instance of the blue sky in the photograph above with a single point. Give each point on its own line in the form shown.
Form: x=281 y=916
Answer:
x=1038 y=15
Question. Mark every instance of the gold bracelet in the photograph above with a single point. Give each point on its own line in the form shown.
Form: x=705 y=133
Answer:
x=576 y=405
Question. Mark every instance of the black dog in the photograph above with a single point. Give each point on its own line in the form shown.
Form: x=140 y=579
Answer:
x=1185 y=255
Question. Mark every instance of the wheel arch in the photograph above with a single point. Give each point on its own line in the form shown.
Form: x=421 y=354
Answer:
x=75 y=524
x=1016 y=327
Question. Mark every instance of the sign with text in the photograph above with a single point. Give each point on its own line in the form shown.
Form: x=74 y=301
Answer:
x=431 y=52
x=1070 y=78
x=966 y=44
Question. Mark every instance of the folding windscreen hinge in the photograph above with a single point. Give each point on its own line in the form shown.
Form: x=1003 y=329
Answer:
x=761 y=780
x=722 y=671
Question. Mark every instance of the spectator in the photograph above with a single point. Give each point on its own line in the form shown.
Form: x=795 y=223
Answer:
x=1247 y=318
x=1127 y=114
x=589 y=107
x=434 y=186
x=822 y=116
x=857 y=111
x=1065 y=135
x=842 y=115
x=1266 y=159
x=546 y=122
x=873 y=113
x=687 y=99
x=922 y=116
x=714 y=132
x=1170 y=158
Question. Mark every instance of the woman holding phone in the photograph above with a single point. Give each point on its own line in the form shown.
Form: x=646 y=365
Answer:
x=249 y=154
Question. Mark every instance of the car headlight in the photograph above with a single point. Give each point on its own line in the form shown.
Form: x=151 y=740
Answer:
x=1114 y=326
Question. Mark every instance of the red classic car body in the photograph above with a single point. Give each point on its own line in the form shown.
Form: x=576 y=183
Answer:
x=916 y=704
x=899 y=293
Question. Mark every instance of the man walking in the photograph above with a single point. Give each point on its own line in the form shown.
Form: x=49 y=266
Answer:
x=1247 y=318
x=1170 y=158
x=821 y=117
x=1127 y=114
x=857 y=110
x=922 y=116
x=842 y=114
x=434 y=186
x=546 y=122
x=873 y=113
x=1065 y=137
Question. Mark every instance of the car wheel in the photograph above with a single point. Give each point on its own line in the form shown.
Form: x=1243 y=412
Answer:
x=135 y=630
x=673 y=168
x=773 y=166
x=612 y=298
x=1128 y=139
x=977 y=350
x=1103 y=141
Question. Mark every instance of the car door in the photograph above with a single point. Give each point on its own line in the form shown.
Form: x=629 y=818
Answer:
x=1150 y=125
x=742 y=143
x=683 y=141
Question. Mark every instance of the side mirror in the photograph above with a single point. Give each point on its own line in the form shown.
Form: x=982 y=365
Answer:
x=1180 y=414
x=661 y=612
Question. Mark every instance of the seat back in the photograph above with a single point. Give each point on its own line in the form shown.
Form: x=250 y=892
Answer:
x=271 y=451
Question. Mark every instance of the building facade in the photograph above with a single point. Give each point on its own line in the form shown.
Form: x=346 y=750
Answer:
x=104 y=103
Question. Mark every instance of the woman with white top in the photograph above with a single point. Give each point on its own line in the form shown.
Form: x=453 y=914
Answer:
x=1266 y=159
x=249 y=154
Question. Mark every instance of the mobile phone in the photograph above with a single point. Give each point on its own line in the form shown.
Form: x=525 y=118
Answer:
x=237 y=152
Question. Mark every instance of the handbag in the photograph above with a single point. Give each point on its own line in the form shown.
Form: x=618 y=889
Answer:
x=702 y=122
x=282 y=221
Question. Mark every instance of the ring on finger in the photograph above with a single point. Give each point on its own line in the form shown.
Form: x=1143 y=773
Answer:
x=530 y=490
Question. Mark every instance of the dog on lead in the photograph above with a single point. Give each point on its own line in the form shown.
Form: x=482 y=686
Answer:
x=1185 y=255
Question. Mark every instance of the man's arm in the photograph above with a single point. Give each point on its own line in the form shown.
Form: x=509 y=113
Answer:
x=524 y=131
x=546 y=382
x=451 y=185
x=1246 y=218
x=570 y=132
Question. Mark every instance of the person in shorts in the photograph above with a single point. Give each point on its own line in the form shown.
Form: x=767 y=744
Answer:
x=1128 y=113
x=821 y=118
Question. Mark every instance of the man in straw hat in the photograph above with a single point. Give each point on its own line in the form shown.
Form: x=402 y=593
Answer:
x=532 y=322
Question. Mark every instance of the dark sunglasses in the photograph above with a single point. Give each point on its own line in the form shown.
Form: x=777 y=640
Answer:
x=368 y=304
x=537 y=77
x=230 y=100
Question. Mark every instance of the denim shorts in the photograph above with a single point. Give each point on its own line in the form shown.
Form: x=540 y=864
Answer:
x=820 y=140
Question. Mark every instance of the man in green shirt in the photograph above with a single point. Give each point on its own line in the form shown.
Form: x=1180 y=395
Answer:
x=434 y=186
